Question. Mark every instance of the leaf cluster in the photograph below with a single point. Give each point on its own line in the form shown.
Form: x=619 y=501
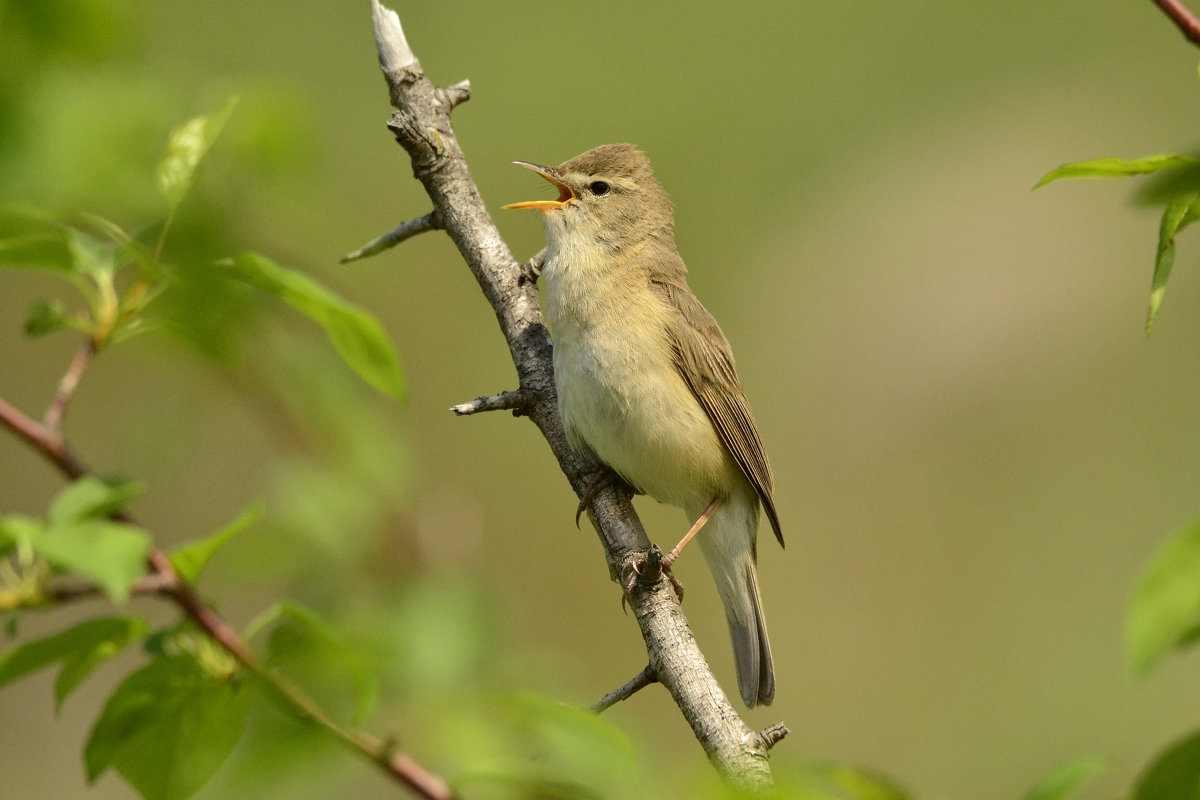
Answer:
x=1177 y=190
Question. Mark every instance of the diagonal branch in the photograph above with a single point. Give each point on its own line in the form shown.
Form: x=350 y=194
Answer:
x=165 y=581
x=421 y=125
x=48 y=442
x=1183 y=18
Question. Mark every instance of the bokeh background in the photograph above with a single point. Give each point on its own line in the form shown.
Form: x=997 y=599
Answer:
x=976 y=447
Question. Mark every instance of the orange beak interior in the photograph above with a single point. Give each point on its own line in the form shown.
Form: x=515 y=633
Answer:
x=565 y=195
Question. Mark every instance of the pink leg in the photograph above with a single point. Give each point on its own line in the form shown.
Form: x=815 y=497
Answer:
x=687 y=537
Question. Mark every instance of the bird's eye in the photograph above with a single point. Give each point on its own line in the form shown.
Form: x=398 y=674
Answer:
x=599 y=187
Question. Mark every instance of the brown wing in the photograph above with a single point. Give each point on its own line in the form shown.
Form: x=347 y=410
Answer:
x=704 y=359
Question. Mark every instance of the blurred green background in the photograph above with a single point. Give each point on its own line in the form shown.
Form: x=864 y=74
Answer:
x=975 y=446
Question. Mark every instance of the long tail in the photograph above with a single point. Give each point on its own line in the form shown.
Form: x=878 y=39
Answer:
x=727 y=542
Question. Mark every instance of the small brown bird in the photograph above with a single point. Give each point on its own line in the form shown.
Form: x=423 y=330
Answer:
x=645 y=378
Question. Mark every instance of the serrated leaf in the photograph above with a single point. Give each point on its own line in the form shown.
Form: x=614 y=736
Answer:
x=1115 y=167
x=80 y=649
x=357 y=336
x=111 y=555
x=186 y=147
x=168 y=728
x=1067 y=780
x=1166 y=600
x=1179 y=213
x=1174 y=774
x=191 y=558
x=48 y=316
x=91 y=497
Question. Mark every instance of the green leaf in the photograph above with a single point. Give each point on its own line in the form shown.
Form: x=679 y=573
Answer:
x=32 y=239
x=358 y=336
x=580 y=754
x=191 y=558
x=91 y=256
x=311 y=651
x=128 y=248
x=1159 y=189
x=1174 y=775
x=821 y=780
x=46 y=251
x=92 y=498
x=1180 y=213
x=19 y=532
x=186 y=148
x=80 y=649
x=49 y=316
x=1166 y=600
x=1067 y=780
x=110 y=554
x=84 y=661
x=1115 y=167
x=168 y=728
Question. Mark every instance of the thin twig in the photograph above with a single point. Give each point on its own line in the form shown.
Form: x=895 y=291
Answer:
x=69 y=383
x=517 y=401
x=406 y=230
x=58 y=592
x=638 y=682
x=1183 y=17
x=49 y=443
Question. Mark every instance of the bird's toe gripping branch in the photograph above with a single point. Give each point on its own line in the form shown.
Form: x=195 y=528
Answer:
x=645 y=569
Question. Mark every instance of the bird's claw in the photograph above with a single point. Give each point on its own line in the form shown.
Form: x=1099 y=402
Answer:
x=648 y=566
x=602 y=477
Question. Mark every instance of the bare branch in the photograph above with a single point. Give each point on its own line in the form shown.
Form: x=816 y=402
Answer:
x=421 y=125
x=394 y=52
x=456 y=94
x=516 y=401
x=1183 y=17
x=406 y=230
x=774 y=734
x=635 y=684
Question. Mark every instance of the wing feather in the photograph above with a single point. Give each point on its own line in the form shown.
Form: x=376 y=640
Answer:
x=705 y=361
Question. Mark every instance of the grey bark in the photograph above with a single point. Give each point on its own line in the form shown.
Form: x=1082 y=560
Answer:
x=422 y=127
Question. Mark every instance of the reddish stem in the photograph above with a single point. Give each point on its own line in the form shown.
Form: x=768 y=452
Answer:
x=1183 y=17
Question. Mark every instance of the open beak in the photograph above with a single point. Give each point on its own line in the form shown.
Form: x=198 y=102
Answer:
x=565 y=195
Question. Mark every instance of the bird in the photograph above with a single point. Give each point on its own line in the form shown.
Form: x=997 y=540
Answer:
x=646 y=381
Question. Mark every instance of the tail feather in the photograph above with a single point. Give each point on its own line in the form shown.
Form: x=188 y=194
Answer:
x=728 y=545
x=751 y=646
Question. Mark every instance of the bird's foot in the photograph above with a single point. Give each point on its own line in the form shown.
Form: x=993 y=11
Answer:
x=647 y=567
x=600 y=478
